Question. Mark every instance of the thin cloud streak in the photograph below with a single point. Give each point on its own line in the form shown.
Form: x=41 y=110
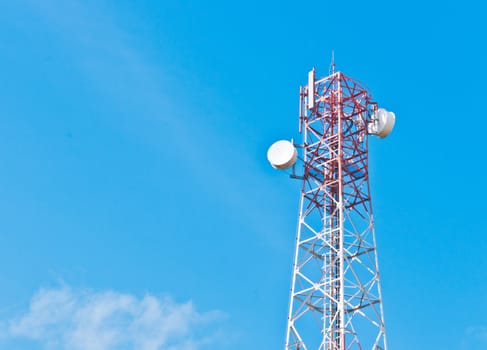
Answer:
x=117 y=70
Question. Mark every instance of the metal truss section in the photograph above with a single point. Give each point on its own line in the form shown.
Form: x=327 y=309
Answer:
x=335 y=301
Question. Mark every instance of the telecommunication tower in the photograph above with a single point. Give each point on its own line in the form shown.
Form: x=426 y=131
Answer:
x=335 y=301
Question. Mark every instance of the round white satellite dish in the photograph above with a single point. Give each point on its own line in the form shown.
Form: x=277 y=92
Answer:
x=382 y=123
x=282 y=154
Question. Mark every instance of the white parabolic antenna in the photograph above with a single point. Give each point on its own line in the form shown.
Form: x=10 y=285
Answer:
x=382 y=123
x=282 y=154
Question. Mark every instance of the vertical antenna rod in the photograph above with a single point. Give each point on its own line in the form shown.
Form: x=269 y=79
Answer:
x=332 y=64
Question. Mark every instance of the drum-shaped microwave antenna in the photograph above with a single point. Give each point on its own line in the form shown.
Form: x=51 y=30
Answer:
x=382 y=123
x=282 y=154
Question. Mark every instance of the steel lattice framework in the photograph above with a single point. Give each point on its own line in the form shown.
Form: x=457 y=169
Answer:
x=335 y=299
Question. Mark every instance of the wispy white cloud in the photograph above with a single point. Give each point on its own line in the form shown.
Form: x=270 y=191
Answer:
x=478 y=332
x=64 y=318
x=475 y=338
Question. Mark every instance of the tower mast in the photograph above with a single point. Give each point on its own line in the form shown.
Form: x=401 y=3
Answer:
x=336 y=301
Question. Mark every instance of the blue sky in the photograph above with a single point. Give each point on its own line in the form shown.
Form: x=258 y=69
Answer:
x=135 y=185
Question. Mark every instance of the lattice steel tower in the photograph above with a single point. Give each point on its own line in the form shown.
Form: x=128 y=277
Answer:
x=335 y=301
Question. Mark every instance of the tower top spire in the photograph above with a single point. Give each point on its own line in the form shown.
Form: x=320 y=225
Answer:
x=332 y=65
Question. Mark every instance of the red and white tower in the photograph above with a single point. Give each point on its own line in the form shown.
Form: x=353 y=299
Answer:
x=336 y=301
